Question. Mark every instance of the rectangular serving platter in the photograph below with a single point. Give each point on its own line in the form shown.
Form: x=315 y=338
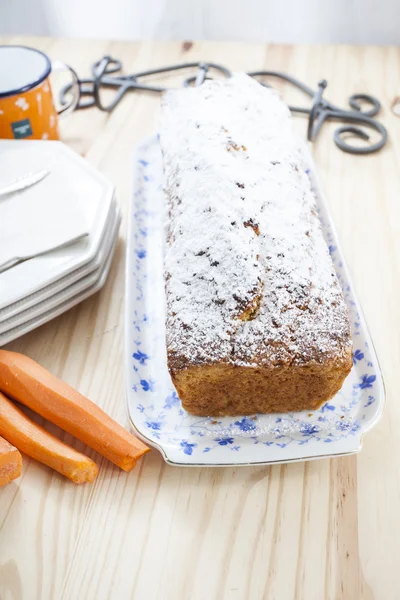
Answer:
x=154 y=408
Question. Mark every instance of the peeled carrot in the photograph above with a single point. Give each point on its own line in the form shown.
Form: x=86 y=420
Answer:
x=29 y=383
x=38 y=443
x=10 y=462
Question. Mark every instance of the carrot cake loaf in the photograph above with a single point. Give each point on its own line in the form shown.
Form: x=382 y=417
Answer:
x=256 y=320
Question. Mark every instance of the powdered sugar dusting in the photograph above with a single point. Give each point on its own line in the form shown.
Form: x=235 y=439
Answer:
x=249 y=279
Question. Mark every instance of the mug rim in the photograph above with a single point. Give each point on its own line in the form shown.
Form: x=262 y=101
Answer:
x=28 y=86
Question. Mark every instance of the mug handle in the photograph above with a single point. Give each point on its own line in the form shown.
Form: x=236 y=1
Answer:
x=58 y=65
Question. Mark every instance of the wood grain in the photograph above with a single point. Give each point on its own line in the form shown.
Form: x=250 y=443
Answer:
x=309 y=531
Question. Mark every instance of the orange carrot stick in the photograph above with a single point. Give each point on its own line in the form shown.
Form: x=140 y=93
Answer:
x=29 y=383
x=10 y=462
x=38 y=443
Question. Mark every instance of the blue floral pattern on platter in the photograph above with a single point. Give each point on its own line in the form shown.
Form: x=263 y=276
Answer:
x=154 y=407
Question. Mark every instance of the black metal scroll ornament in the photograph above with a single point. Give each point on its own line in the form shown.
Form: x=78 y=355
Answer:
x=321 y=110
x=106 y=74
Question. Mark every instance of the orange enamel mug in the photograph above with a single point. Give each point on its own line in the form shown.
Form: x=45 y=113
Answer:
x=27 y=109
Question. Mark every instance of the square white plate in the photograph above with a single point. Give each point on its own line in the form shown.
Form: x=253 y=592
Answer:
x=61 y=285
x=86 y=182
x=154 y=408
x=17 y=332
x=61 y=296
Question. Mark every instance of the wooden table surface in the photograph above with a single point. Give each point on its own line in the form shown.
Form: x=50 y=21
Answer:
x=327 y=529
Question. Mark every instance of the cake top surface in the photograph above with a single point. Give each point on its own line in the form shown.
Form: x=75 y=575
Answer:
x=249 y=279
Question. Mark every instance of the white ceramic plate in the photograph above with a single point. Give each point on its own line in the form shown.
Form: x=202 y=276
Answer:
x=20 y=308
x=17 y=332
x=71 y=290
x=154 y=408
x=97 y=193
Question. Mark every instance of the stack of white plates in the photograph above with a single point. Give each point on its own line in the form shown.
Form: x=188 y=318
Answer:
x=41 y=288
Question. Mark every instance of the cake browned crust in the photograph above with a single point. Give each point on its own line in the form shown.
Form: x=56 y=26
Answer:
x=256 y=320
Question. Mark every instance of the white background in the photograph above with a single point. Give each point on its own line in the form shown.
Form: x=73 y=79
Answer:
x=338 y=21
